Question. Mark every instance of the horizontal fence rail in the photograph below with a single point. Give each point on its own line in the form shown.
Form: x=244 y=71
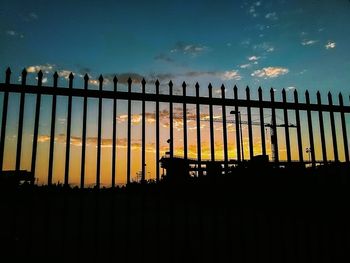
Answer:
x=236 y=103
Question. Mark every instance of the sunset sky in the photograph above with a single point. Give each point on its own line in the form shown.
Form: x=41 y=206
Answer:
x=281 y=44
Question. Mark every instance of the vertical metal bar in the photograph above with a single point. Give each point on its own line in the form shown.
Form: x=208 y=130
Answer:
x=171 y=143
x=320 y=118
x=20 y=122
x=4 y=119
x=99 y=135
x=262 y=123
x=311 y=133
x=298 y=124
x=184 y=111
x=198 y=121
x=157 y=131
x=224 y=128
x=235 y=93
x=286 y=127
x=250 y=130
x=128 y=161
x=114 y=131
x=52 y=131
x=83 y=140
x=212 y=144
x=274 y=125
x=36 y=124
x=343 y=125
x=69 y=122
x=143 y=150
x=334 y=134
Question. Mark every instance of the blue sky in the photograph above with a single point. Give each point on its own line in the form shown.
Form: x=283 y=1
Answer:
x=280 y=44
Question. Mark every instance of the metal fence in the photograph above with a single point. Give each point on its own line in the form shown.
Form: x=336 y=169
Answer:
x=210 y=101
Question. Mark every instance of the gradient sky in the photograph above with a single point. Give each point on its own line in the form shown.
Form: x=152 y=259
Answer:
x=281 y=44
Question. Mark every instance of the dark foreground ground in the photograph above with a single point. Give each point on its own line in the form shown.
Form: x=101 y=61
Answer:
x=247 y=218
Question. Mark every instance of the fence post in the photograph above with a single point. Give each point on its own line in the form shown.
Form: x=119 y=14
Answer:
x=286 y=122
x=343 y=124
x=334 y=134
x=298 y=124
x=4 y=119
x=157 y=131
x=114 y=131
x=143 y=128
x=99 y=134
x=128 y=171
x=237 y=119
x=250 y=130
x=262 y=123
x=83 y=141
x=224 y=127
x=184 y=111
x=274 y=137
x=20 y=122
x=36 y=124
x=171 y=118
x=198 y=121
x=52 y=130
x=311 y=134
x=212 y=144
x=69 y=123
x=320 y=117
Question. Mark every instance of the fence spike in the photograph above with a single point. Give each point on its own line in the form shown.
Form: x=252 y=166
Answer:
x=170 y=83
x=24 y=76
x=259 y=89
x=283 y=91
x=143 y=81
x=235 y=88
x=71 y=76
x=55 y=79
x=184 y=84
x=318 y=95
x=86 y=77
x=247 y=88
x=223 y=87
x=329 y=95
x=340 y=96
x=272 y=91
x=40 y=78
x=8 y=75
x=197 y=85
x=210 y=86
x=129 y=81
x=157 y=82
x=100 y=78
x=115 y=79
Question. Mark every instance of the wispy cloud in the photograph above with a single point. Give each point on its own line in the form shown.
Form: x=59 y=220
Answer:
x=309 y=42
x=191 y=49
x=13 y=33
x=330 y=45
x=253 y=58
x=245 y=66
x=46 y=68
x=291 y=88
x=264 y=47
x=269 y=72
x=163 y=57
x=271 y=16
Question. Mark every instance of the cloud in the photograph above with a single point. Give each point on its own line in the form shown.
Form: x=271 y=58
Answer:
x=13 y=33
x=44 y=80
x=330 y=45
x=291 y=88
x=46 y=68
x=230 y=75
x=33 y=16
x=271 y=16
x=191 y=49
x=245 y=66
x=253 y=58
x=309 y=42
x=265 y=47
x=269 y=72
x=163 y=57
